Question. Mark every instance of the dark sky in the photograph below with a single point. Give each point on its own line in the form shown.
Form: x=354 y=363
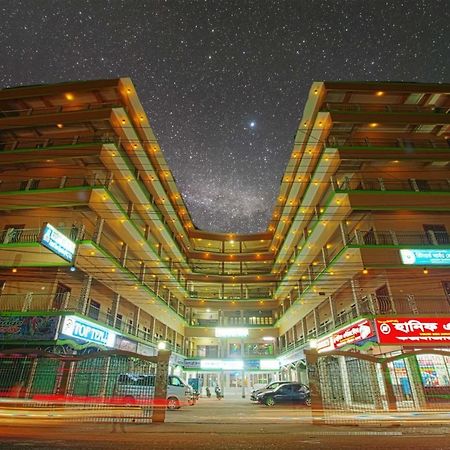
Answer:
x=224 y=82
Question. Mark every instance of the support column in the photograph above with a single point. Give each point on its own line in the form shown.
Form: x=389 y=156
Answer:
x=344 y=380
x=356 y=292
x=98 y=231
x=123 y=254
x=84 y=294
x=312 y=364
x=136 y=319
x=162 y=374
x=415 y=379
x=115 y=309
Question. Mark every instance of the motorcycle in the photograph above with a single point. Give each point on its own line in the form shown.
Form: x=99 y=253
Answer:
x=218 y=392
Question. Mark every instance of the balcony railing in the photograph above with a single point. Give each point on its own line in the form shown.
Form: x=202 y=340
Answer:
x=371 y=237
x=377 y=107
x=31 y=184
x=384 y=184
x=30 y=301
x=347 y=141
x=58 y=109
x=29 y=235
x=39 y=143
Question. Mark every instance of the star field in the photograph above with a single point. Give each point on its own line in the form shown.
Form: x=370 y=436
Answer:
x=224 y=82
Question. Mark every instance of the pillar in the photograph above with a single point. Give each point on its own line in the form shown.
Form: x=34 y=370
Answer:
x=345 y=381
x=84 y=294
x=162 y=374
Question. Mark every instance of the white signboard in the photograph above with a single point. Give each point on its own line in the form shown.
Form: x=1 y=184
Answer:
x=83 y=329
x=57 y=242
x=231 y=332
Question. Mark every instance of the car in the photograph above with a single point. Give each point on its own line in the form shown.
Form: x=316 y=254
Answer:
x=295 y=393
x=136 y=387
x=270 y=387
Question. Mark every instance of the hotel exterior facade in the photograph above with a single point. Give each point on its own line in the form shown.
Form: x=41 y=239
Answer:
x=98 y=249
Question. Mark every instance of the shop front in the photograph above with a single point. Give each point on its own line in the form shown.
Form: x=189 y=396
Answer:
x=234 y=376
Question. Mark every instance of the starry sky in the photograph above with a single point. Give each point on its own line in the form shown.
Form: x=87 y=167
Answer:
x=224 y=82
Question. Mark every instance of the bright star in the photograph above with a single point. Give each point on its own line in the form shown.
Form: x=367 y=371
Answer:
x=252 y=124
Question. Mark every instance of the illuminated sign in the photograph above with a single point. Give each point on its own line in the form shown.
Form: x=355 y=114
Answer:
x=231 y=332
x=425 y=257
x=351 y=334
x=211 y=364
x=83 y=329
x=269 y=364
x=57 y=242
x=413 y=330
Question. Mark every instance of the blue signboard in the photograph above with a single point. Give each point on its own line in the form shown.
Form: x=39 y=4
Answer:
x=87 y=331
x=57 y=242
x=423 y=257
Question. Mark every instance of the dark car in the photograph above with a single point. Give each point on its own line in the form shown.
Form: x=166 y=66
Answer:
x=295 y=393
x=269 y=387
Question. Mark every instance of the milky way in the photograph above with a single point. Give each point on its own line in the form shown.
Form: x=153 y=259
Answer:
x=224 y=82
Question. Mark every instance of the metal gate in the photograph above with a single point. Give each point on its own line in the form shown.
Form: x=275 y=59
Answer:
x=349 y=386
x=113 y=386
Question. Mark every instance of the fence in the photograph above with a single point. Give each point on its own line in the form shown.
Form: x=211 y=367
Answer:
x=347 y=386
x=115 y=386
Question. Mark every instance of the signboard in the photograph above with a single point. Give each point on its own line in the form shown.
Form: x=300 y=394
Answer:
x=191 y=364
x=125 y=344
x=28 y=328
x=269 y=364
x=423 y=257
x=351 y=334
x=231 y=332
x=146 y=350
x=83 y=329
x=413 y=331
x=57 y=242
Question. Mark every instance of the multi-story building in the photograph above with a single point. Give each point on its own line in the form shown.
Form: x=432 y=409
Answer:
x=98 y=248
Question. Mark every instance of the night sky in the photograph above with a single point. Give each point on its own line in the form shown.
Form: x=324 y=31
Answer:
x=224 y=82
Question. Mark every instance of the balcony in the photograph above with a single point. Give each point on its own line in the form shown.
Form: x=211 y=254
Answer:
x=39 y=143
x=347 y=141
x=58 y=109
x=383 y=184
x=65 y=304
x=381 y=108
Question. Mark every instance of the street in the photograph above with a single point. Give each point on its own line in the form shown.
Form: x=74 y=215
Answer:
x=231 y=423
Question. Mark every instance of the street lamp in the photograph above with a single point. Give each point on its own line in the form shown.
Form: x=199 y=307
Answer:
x=162 y=345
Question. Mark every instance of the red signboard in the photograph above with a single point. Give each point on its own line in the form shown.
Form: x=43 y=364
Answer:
x=413 y=330
x=357 y=331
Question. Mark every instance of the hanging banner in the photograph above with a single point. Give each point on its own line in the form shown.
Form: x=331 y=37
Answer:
x=28 y=328
x=413 y=330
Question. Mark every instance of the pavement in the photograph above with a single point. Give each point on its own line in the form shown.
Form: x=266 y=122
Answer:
x=231 y=423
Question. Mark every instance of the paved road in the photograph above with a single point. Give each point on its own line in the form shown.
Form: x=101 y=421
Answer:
x=231 y=423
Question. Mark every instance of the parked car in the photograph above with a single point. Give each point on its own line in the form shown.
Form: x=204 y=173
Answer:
x=136 y=387
x=270 y=387
x=295 y=393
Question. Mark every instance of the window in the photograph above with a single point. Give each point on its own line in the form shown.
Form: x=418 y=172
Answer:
x=423 y=185
x=436 y=234
x=119 y=318
x=175 y=381
x=446 y=286
x=62 y=291
x=12 y=233
x=94 y=309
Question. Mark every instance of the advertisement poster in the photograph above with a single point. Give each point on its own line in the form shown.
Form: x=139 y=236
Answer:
x=26 y=328
x=413 y=330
